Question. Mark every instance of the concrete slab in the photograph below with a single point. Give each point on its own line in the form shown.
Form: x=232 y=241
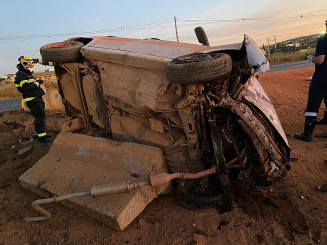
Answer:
x=77 y=162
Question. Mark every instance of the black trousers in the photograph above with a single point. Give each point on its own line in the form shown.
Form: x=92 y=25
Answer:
x=37 y=108
x=317 y=92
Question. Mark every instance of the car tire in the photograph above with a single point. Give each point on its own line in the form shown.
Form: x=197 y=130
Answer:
x=61 y=51
x=192 y=202
x=199 y=68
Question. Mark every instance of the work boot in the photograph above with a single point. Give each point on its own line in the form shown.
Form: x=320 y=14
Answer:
x=323 y=121
x=310 y=123
x=43 y=139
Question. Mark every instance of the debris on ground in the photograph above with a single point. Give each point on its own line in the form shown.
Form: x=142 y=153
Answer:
x=24 y=152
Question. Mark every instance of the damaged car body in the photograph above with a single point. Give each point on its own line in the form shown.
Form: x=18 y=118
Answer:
x=203 y=106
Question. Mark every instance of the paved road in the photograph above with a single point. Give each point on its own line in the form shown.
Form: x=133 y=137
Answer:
x=292 y=65
x=10 y=104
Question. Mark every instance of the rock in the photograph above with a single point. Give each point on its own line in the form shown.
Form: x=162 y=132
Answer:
x=29 y=125
x=28 y=134
x=2 y=160
x=5 y=186
x=323 y=188
x=4 y=128
x=24 y=152
x=23 y=142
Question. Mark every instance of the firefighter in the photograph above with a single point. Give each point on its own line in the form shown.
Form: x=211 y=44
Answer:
x=318 y=89
x=32 y=94
x=323 y=121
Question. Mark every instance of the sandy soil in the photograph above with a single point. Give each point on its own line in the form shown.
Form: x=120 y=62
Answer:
x=294 y=214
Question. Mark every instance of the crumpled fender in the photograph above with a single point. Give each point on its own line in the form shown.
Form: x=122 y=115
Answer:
x=255 y=94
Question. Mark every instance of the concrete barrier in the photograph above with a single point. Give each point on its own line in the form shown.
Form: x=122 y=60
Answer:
x=52 y=100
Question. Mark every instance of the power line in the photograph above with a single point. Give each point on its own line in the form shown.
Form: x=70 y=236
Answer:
x=122 y=28
x=155 y=24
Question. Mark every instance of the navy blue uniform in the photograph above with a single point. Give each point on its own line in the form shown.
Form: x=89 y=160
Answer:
x=318 y=88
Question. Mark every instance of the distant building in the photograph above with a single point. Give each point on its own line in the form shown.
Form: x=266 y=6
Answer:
x=296 y=44
x=11 y=77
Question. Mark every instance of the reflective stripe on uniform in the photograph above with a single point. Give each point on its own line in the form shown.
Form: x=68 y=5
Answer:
x=42 y=134
x=29 y=99
x=310 y=114
x=27 y=81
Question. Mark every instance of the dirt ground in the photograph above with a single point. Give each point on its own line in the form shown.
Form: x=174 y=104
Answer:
x=294 y=214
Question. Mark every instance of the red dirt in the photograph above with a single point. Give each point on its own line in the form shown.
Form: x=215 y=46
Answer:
x=294 y=214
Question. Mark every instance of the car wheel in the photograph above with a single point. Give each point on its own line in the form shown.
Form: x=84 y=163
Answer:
x=192 y=202
x=199 y=68
x=62 y=51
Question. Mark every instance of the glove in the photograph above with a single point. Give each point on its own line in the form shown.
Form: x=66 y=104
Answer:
x=310 y=57
x=37 y=61
x=40 y=81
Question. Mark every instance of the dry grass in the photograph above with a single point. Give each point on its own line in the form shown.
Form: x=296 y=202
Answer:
x=276 y=59
x=51 y=83
x=9 y=91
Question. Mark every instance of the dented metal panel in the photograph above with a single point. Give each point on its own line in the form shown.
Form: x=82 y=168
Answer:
x=255 y=57
x=258 y=97
x=140 y=87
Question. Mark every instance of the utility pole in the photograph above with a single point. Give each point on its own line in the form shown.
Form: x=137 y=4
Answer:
x=275 y=43
x=176 y=29
x=268 y=47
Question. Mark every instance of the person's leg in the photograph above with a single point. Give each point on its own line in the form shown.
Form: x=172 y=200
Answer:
x=316 y=95
x=323 y=121
x=37 y=108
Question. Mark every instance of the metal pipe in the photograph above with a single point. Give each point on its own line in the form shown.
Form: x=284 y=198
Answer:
x=46 y=214
x=101 y=190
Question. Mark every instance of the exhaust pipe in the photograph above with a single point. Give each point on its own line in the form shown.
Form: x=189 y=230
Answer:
x=122 y=187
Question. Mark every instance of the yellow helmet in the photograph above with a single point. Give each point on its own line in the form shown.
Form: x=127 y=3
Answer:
x=26 y=61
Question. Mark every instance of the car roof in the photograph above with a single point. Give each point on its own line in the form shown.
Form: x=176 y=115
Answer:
x=153 y=47
x=147 y=53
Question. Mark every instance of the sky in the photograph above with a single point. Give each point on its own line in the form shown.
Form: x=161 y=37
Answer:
x=28 y=25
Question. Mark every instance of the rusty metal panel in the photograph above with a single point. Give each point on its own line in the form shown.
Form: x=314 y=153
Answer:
x=140 y=87
x=95 y=103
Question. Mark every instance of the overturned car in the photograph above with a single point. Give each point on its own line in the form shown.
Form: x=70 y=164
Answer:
x=202 y=106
